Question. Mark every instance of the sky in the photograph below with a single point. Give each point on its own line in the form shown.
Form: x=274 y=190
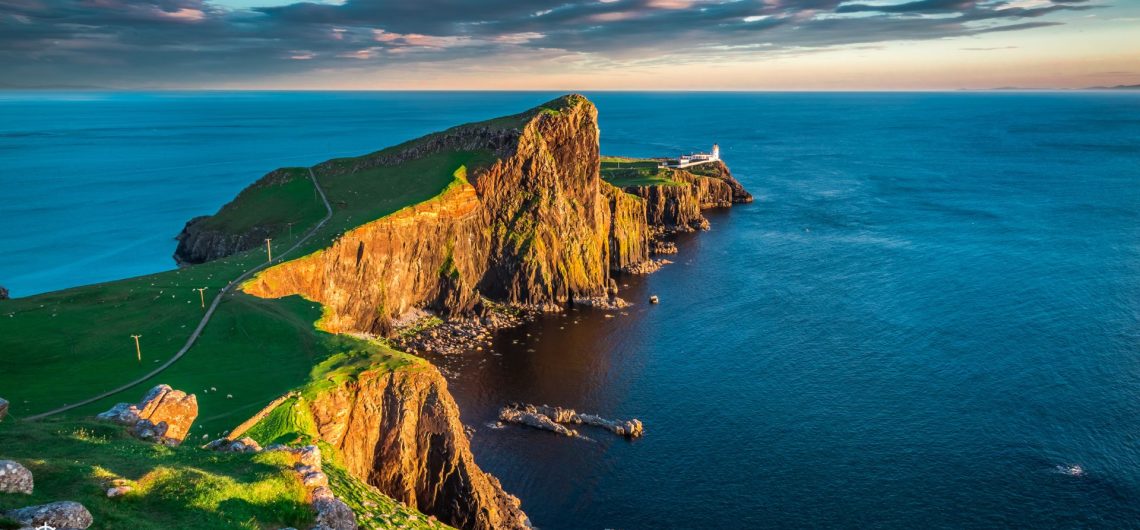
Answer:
x=569 y=44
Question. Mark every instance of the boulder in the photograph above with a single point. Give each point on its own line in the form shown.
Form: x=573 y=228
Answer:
x=164 y=415
x=334 y=514
x=15 y=478
x=60 y=515
x=310 y=455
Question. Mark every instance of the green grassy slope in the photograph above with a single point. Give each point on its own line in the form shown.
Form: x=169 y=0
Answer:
x=622 y=172
x=285 y=201
x=182 y=487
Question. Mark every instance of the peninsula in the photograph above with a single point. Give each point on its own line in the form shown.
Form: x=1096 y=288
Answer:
x=288 y=338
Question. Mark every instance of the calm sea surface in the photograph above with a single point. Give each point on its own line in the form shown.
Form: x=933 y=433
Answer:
x=928 y=317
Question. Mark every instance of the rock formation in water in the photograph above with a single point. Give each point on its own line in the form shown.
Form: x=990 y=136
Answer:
x=400 y=432
x=550 y=418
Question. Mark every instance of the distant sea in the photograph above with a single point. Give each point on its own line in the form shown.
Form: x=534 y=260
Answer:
x=930 y=318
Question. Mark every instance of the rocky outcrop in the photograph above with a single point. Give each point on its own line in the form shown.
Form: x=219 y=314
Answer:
x=3 y=409
x=199 y=243
x=15 y=478
x=164 y=415
x=3 y=293
x=400 y=432
x=59 y=515
x=550 y=418
x=718 y=170
x=531 y=418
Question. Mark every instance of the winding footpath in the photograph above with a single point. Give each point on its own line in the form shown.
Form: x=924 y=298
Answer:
x=205 y=318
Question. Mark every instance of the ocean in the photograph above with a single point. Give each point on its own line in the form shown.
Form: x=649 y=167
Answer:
x=929 y=318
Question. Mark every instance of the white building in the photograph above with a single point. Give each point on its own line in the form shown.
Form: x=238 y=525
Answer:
x=694 y=158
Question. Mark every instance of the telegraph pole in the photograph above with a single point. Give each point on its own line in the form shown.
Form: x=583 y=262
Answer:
x=269 y=248
x=202 y=295
x=138 y=349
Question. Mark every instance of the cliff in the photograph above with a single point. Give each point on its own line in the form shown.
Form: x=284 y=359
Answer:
x=532 y=228
x=400 y=432
x=676 y=206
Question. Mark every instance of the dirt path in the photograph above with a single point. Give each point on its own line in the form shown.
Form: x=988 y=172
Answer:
x=205 y=318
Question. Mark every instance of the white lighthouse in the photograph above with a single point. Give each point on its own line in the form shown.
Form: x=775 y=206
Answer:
x=715 y=152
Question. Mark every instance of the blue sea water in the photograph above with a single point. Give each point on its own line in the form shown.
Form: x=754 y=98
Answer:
x=928 y=319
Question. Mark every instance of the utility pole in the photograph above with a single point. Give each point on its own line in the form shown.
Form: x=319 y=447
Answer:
x=202 y=295
x=269 y=248
x=290 y=229
x=138 y=349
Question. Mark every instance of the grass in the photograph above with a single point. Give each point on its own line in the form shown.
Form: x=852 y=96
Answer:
x=283 y=198
x=291 y=423
x=181 y=487
x=624 y=172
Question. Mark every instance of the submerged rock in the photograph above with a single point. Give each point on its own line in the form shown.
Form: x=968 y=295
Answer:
x=61 y=515
x=15 y=478
x=164 y=415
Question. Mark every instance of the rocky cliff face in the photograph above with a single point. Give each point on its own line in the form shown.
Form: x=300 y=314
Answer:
x=677 y=208
x=199 y=244
x=532 y=229
x=629 y=228
x=400 y=432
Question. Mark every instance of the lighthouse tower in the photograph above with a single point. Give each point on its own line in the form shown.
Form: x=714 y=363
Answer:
x=716 y=152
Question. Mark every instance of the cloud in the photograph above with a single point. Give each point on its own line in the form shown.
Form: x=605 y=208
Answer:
x=178 y=42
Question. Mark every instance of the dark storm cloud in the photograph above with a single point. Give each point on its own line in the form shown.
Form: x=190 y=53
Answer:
x=196 y=42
